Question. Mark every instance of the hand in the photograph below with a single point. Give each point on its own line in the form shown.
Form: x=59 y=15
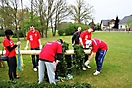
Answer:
x=72 y=44
x=54 y=69
x=18 y=43
x=40 y=46
x=26 y=48
x=86 y=63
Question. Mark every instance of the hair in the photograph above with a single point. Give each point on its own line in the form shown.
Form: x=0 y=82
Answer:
x=60 y=40
x=31 y=25
x=94 y=28
x=8 y=32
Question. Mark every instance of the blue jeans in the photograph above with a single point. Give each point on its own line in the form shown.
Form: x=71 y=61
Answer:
x=35 y=61
x=99 y=58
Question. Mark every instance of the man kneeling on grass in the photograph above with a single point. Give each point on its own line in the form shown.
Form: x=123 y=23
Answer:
x=99 y=48
x=47 y=60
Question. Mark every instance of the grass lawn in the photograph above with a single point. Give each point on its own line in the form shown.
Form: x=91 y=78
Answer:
x=116 y=72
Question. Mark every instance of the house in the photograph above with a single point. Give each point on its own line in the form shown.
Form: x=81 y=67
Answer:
x=122 y=23
x=107 y=24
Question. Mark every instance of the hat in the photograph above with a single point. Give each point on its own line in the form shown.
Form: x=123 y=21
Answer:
x=88 y=43
x=60 y=40
x=8 y=32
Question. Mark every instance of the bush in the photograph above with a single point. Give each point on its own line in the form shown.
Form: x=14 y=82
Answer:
x=2 y=33
x=61 y=31
x=20 y=32
x=4 y=84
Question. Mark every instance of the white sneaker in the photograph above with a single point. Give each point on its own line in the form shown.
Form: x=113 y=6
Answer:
x=96 y=72
x=88 y=66
x=84 y=69
x=35 y=69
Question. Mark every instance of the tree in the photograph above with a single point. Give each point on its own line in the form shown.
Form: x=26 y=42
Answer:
x=116 y=23
x=61 y=12
x=129 y=23
x=81 y=12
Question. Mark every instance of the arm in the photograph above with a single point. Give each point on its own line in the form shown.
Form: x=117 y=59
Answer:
x=90 y=58
x=11 y=48
x=73 y=38
x=40 y=46
x=27 y=44
x=59 y=56
x=80 y=39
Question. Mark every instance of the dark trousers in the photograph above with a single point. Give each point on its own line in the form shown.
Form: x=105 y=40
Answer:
x=12 y=64
x=35 y=60
x=99 y=58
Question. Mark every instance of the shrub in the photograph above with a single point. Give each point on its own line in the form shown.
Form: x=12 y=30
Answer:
x=4 y=84
x=2 y=33
x=20 y=33
x=61 y=31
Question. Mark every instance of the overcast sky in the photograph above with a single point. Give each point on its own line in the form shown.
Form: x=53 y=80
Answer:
x=108 y=9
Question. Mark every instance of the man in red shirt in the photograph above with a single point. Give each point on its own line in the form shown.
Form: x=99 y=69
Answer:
x=33 y=37
x=47 y=59
x=84 y=36
x=99 y=48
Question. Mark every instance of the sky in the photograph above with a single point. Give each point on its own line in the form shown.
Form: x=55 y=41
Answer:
x=107 y=9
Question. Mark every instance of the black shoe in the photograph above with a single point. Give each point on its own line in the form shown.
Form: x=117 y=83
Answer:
x=17 y=77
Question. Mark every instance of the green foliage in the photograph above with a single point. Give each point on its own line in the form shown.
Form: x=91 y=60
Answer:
x=70 y=28
x=61 y=31
x=129 y=23
x=2 y=33
x=28 y=22
x=62 y=63
x=4 y=84
x=20 y=32
x=79 y=57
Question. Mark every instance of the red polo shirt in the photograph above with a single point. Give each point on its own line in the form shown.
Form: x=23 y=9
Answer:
x=50 y=50
x=98 y=45
x=33 y=38
x=6 y=43
x=85 y=35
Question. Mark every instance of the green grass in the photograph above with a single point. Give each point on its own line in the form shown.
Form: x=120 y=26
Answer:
x=117 y=66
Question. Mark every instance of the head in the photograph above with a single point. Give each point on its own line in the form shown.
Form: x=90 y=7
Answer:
x=32 y=27
x=8 y=33
x=79 y=29
x=60 y=40
x=92 y=29
x=88 y=43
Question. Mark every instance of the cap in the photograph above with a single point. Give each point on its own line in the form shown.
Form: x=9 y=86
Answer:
x=88 y=43
x=8 y=32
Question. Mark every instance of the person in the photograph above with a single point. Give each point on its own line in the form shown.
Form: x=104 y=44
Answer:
x=33 y=37
x=75 y=37
x=84 y=36
x=99 y=48
x=9 y=46
x=47 y=60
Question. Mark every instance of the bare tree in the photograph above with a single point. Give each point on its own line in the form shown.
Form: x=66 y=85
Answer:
x=81 y=12
x=61 y=12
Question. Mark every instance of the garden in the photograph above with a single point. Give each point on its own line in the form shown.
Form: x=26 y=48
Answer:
x=116 y=70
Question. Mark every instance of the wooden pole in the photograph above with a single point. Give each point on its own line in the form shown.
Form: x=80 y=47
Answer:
x=36 y=52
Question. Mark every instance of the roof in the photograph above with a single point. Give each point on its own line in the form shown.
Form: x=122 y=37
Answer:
x=105 y=22
x=123 y=21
